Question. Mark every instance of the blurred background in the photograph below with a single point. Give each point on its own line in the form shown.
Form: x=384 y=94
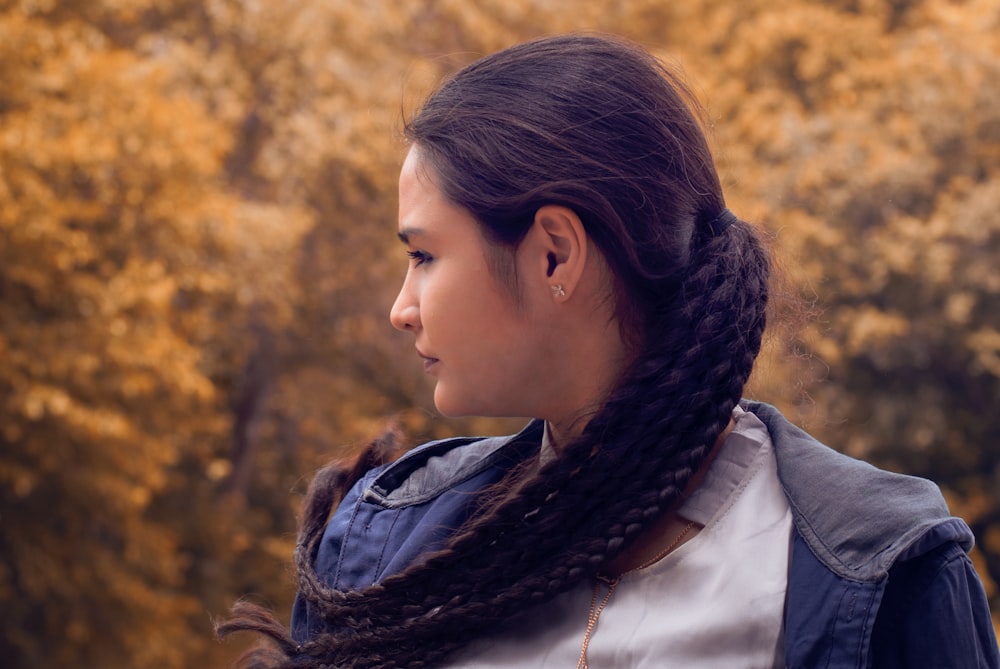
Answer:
x=198 y=254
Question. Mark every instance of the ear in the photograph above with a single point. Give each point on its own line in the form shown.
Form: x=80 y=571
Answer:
x=560 y=253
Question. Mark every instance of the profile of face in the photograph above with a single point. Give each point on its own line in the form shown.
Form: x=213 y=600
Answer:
x=488 y=351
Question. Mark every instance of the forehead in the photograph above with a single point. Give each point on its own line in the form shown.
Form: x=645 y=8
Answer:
x=417 y=181
x=414 y=175
x=423 y=208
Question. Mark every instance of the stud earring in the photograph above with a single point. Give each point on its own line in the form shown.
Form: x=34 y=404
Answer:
x=557 y=290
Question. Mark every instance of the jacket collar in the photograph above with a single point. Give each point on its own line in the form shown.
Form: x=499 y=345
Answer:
x=857 y=519
x=425 y=472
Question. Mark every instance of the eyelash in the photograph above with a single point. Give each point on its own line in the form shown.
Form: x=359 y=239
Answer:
x=419 y=256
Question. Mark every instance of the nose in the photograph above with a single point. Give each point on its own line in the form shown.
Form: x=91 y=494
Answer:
x=405 y=314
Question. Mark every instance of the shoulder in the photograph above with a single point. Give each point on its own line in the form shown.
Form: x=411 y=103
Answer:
x=858 y=519
x=397 y=513
x=934 y=613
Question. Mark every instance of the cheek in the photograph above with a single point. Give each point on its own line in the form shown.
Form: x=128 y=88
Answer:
x=468 y=304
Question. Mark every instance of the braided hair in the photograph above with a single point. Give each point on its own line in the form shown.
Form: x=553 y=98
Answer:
x=600 y=126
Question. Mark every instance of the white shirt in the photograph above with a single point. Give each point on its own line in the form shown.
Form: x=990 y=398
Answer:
x=716 y=602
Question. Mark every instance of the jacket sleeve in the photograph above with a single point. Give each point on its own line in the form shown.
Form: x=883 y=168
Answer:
x=934 y=615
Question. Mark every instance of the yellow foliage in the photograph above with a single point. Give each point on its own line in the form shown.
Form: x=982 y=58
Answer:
x=985 y=344
x=196 y=243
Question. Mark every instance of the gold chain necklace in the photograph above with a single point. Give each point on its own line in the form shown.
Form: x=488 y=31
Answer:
x=611 y=583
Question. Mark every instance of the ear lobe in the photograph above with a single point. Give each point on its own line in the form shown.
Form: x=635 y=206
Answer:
x=566 y=244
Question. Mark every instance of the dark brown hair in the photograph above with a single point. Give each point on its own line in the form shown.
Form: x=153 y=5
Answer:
x=598 y=125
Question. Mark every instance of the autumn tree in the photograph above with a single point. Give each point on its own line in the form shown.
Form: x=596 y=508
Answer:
x=197 y=256
x=122 y=251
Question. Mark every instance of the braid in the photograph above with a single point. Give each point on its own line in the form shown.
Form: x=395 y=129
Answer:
x=553 y=529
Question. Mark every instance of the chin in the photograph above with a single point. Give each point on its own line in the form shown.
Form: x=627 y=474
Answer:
x=447 y=405
x=450 y=409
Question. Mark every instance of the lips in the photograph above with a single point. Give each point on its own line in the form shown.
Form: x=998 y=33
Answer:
x=429 y=362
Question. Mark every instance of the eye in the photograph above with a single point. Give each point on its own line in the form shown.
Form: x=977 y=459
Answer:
x=419 y=257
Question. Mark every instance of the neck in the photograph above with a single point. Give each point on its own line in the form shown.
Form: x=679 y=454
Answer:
x=564 y=432
x=581 y=394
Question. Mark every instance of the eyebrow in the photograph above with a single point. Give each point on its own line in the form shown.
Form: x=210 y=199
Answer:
x=406 y=233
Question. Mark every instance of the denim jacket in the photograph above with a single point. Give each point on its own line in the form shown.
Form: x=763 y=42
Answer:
x=879 y=574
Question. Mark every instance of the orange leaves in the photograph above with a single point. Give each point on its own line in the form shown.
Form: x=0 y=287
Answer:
x=119 y=219
x=985 y=345
x=197 y=242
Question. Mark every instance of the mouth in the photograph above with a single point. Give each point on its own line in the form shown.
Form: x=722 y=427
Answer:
x=429 y=362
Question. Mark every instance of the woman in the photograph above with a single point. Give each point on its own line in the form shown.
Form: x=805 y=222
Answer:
x=572 y=259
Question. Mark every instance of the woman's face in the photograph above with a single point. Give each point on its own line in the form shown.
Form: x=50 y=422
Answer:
x=487 y=354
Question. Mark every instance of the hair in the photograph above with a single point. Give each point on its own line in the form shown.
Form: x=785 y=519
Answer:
x=598 y=125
